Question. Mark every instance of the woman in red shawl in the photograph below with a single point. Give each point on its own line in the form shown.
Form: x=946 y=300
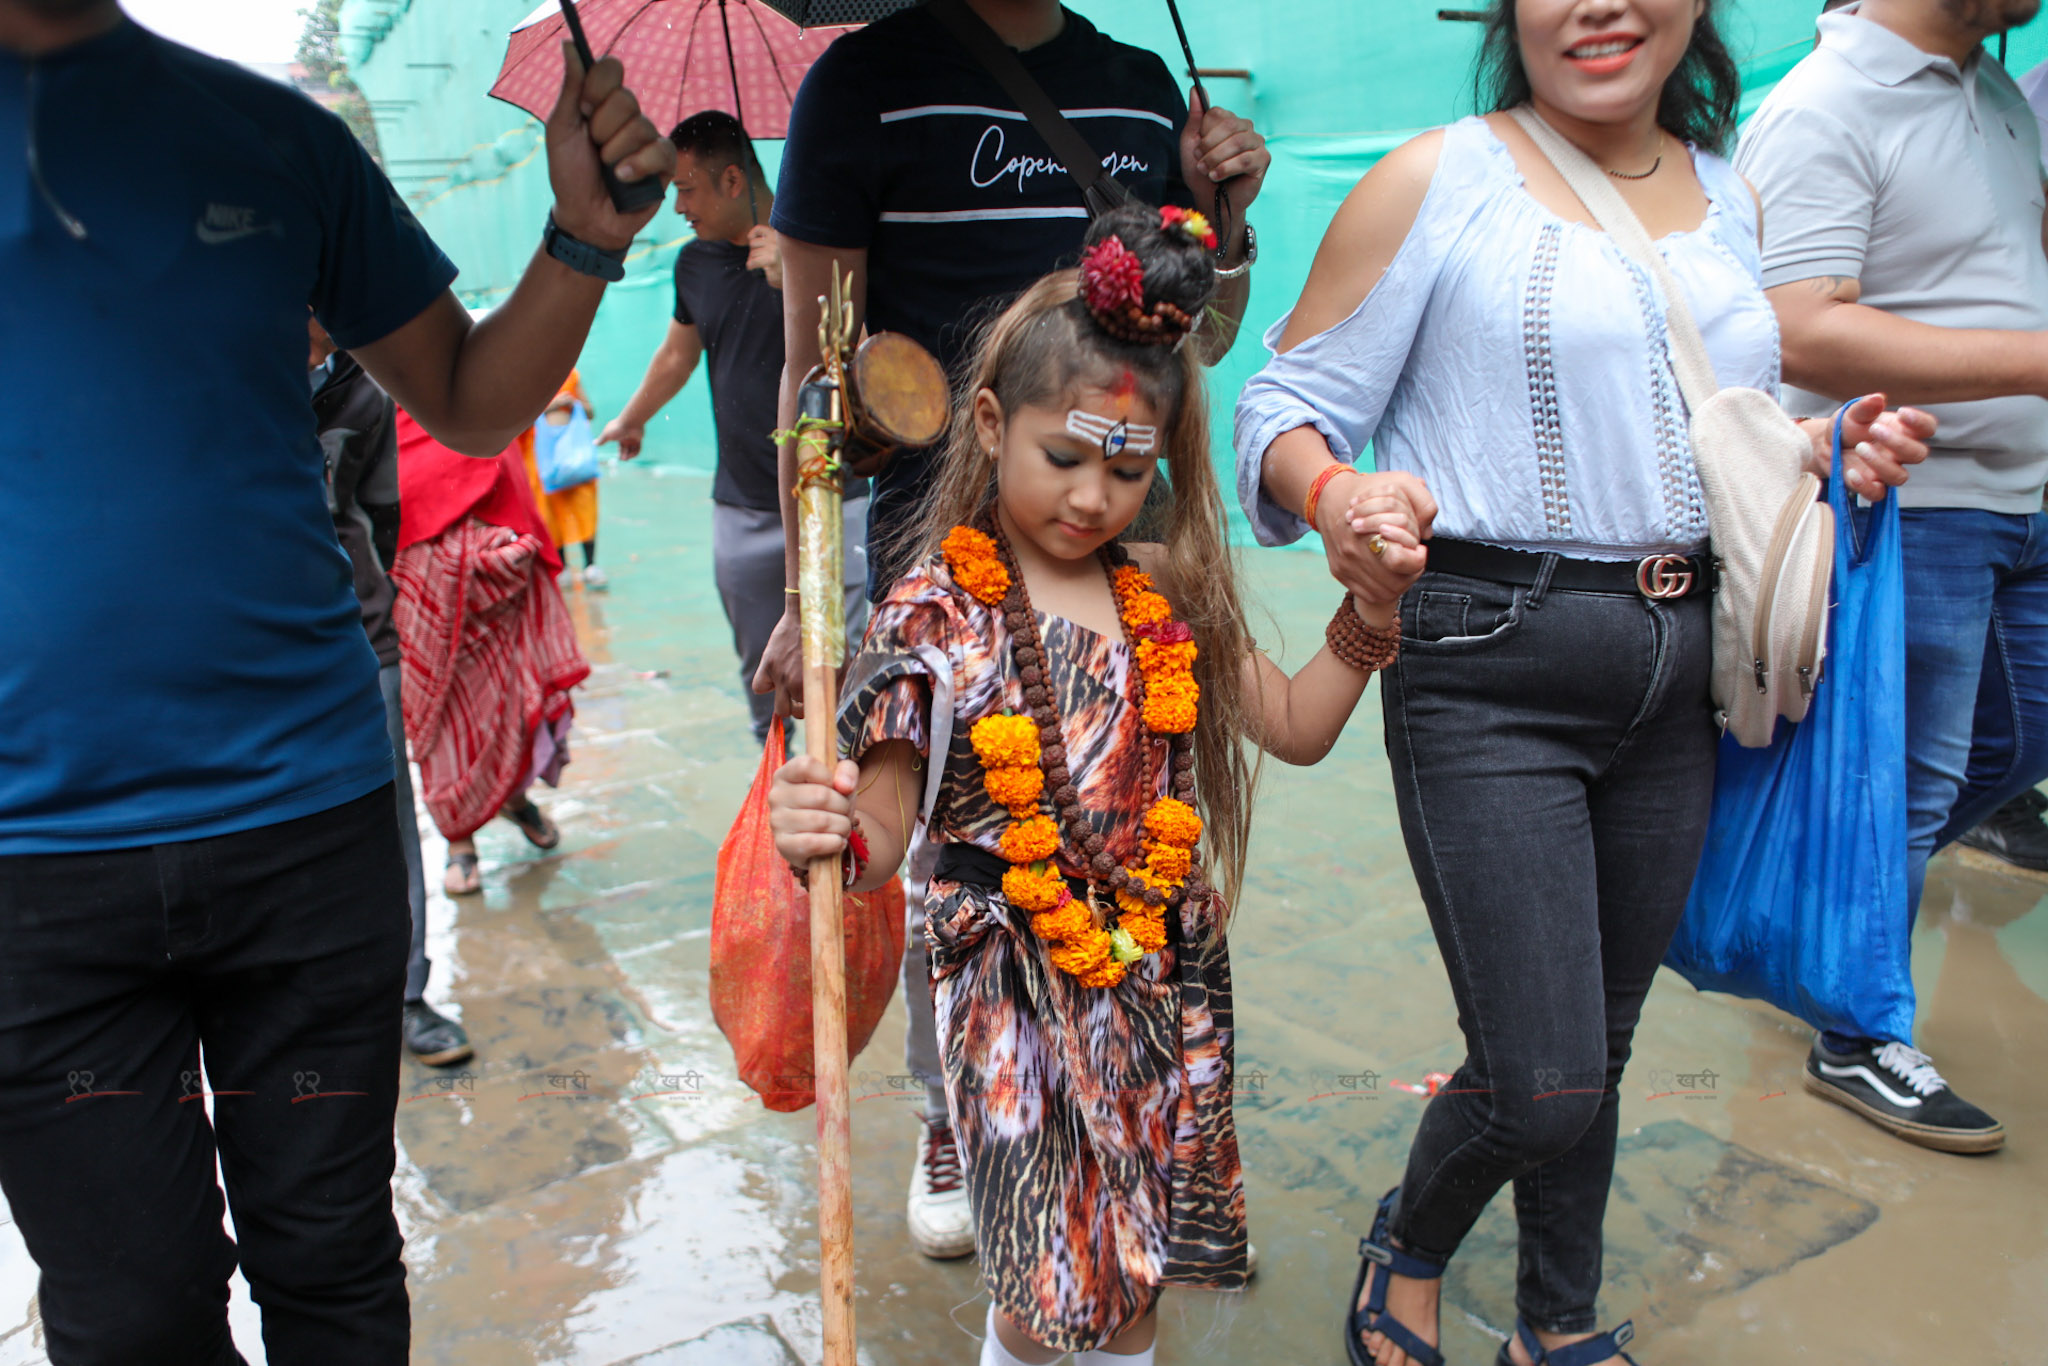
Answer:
x=488 y=649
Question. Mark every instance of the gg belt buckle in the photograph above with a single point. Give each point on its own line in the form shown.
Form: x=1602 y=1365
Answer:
x=1663 y=577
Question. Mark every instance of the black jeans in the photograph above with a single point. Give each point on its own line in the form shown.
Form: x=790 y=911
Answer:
x=1553 y=757
x=281 y=953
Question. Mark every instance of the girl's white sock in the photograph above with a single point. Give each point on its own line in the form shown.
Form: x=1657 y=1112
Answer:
x=993 y=1353
x=1099 y=1358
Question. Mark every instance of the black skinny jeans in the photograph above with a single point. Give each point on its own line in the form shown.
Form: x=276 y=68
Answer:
x=1553 y=757
x=281 y=952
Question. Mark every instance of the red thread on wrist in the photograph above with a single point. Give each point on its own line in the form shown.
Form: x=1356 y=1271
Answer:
x=1315 y=490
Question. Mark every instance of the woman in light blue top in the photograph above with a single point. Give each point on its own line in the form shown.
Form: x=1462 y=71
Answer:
x=1549 y=723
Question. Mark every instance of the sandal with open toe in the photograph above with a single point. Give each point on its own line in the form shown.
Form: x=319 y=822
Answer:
x=1600 y=1347
x=533 y=823
x=1378 y=1250
x=460 y=877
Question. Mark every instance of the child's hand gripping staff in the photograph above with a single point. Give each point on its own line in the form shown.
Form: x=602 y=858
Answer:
x=595 y=91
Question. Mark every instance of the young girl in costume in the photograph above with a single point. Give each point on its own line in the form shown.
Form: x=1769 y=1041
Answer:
x=1085 y=707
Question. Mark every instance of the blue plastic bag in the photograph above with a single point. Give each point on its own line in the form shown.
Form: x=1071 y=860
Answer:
x=566 y=455
x=1800 y=899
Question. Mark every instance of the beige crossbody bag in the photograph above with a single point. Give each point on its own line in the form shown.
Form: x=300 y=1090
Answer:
x=1773 y=534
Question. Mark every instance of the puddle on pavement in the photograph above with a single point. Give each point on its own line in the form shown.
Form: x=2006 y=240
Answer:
x=597 y=1188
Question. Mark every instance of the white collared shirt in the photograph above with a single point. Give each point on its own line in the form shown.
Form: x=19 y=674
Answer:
x=1889 y=165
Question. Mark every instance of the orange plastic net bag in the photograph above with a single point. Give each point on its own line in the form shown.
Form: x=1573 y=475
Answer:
x=761 y=954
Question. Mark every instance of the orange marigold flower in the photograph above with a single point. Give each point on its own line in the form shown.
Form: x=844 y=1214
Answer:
x=1029 y=841
x=1168 y=862
x=1156 y=659
x=1015 y=786
x=1134 y=904
x=971 y=555
x=1172 y=821
x=1171 y=711
x=1108 y=975
x=1033 y=888
x=1144 y=609
x=1147 y=931
x=1070 y=921
x=1081 y=953
x=1129 y=581
x=1006 y=741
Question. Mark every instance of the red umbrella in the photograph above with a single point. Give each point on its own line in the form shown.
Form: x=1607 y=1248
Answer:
x=681 y=57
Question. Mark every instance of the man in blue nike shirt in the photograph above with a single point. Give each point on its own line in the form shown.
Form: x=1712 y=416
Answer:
x=198 y=844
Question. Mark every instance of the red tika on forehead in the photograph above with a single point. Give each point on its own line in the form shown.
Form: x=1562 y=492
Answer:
x=1125 y=391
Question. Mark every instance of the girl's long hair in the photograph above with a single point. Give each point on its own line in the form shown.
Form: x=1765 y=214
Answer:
x=1700 y=98
x=1036 y=353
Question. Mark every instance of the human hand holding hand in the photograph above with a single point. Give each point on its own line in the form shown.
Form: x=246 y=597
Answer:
x=1400 y=501
x=628 y=435
x=1877 y=444
x=597 y=120
x=1219 y=148
x=810 y=809
x=1388 y=519
x=782 y=664
x=764 y=253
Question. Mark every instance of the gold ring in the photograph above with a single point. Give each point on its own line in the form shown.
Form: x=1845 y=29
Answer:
x=1377 y=545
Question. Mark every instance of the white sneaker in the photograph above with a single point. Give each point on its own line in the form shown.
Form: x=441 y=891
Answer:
x=595 y=578
x=941 y=1221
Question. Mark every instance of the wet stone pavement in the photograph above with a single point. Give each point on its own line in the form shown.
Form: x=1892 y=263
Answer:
x=598 y=1188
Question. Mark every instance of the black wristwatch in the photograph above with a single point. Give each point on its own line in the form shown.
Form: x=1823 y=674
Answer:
x=579 y=255
x=1251 y=256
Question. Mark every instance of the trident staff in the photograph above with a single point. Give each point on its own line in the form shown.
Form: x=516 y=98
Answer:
x=821 y=438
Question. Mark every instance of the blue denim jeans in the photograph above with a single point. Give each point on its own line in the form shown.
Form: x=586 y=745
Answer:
x=1976 y=673
x=1553 y=758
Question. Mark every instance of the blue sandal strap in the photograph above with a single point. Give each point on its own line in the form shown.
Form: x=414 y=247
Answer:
x=1393 y=1330
x=1400 y=1263
x=1597 y=1348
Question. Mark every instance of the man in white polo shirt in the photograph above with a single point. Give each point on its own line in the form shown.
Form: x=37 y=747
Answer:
x=1900 y=173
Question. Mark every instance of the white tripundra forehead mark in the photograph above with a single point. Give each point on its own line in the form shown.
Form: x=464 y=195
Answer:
x=1115 y=438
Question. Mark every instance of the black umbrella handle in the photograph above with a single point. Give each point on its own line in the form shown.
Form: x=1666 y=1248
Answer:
x=1222 y=224
x=627 y=197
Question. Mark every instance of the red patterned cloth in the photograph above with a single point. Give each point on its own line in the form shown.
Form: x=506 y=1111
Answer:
x=489 y=656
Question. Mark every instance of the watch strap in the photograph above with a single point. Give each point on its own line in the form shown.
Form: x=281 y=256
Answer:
x=580 y=256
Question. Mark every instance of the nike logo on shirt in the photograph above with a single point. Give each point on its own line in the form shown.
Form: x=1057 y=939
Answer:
x=229 y=223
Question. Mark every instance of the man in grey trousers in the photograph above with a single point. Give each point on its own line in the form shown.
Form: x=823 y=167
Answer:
x=729 y=308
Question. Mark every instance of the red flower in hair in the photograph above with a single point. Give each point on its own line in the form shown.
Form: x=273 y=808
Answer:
x=1193 y=226
x=1112 y=277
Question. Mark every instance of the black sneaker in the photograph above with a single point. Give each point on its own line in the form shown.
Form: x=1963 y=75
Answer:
x=2014 y=833
x=433 y=1038
x=1895 y=1087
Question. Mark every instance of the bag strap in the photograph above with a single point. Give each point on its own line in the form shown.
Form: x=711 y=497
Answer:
x=1689 y=361
x=1099 y=190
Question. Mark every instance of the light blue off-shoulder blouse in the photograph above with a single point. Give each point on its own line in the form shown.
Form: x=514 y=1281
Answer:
x=1517 y=364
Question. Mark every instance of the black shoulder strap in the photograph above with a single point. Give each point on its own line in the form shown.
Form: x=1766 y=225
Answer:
x=1100 y=190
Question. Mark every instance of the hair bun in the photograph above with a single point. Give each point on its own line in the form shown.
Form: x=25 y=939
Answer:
x=1147 y=274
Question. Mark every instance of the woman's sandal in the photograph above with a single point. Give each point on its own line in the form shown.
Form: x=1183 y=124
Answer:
x=1598 y=1348
x=533 y=823
x=1378 y=1250
x=460 y=877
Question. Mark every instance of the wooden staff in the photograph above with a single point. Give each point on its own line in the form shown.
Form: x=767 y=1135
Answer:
x=822 y=614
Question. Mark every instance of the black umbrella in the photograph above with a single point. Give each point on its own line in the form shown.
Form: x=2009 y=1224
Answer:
x=823 y=13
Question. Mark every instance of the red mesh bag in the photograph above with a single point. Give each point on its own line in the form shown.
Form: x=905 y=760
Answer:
x=761 y=954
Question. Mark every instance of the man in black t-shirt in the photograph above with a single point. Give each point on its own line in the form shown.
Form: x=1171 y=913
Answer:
x=729 y=308
x=911 y=168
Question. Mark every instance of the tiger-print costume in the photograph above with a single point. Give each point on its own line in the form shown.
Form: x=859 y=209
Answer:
x=1095 y=1124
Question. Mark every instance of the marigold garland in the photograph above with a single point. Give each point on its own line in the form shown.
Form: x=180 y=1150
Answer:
x=1013 y=756
x=971 y=556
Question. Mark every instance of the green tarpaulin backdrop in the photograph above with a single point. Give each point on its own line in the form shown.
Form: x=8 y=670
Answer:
x=1332 y=83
